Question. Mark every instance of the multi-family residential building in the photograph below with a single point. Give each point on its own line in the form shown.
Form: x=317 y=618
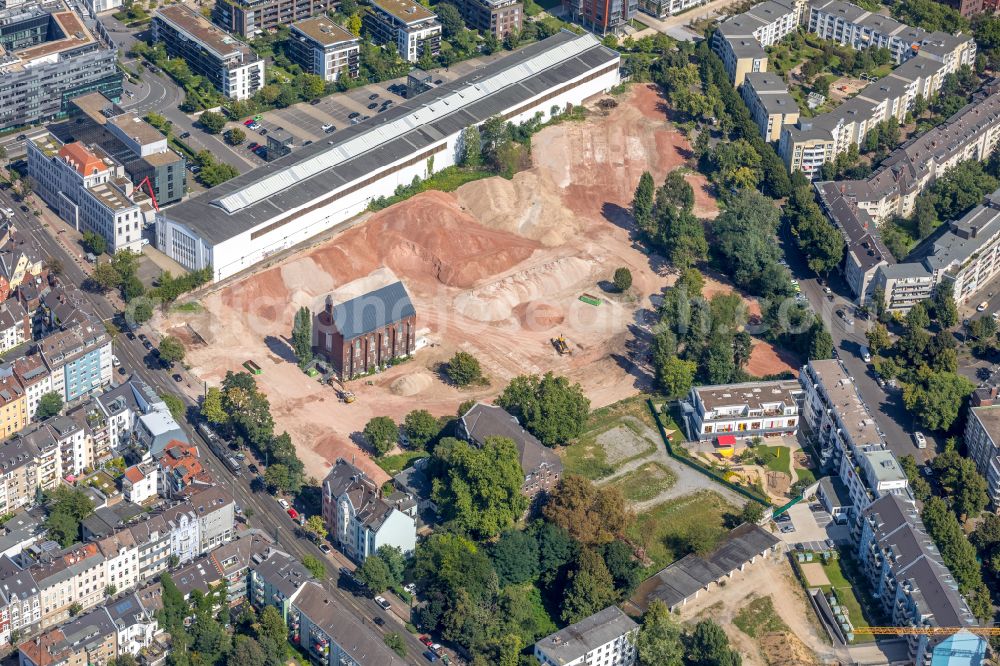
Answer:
x=909 y=578
x=179 y=467
x=13 y=403
x=132 y=142
x=322 y=47
x=358 y=518
x=664 y=8
x=331 y=637
x=606 y=638
x=542 y=468
x=15 y=325
x=229 y=64
x=135 y=413
x=747 y=410
x=76 y=575
x=87 y=188
x=136 y=625
x=601 y=16
x=21 y=261
x=121 y=560
x=49 y=58
x=78 y=359
x=91 y=638
x=140 y=482
x=982 y=441
x=275 y=578
x=410 y=26
x=25 y=465
x=20 y=591
x=216 y=515
x=496 y=16
x=766 y=96
x=233 y=560
x=850 y=441
x=740 y=40
x=252 y=17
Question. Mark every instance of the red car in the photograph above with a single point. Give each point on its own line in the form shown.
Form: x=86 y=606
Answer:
x=253 y=146
x=426 y=640
x=293 y=514
x=248 y=122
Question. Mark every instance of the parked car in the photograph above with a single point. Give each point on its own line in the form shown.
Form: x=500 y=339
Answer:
x=411 y=588
x=177 y=378
x=284 y=503
x=114 y=361
x=315 y=102
x=253 y=146
x=262 y=131
x=353 y=114
x=982 y=306
x=430 y=656
x=373 y=96
x=373 y=105
x=186 y=135
x=383 y=604
x=148 y=345
x=292 y=513
x=248 y=122
x=927 y=470
x=325 y=548
x=919 y=438
x=426 y=640
x=378 y=621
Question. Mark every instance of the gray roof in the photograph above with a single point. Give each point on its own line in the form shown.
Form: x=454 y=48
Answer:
x=201 y=574
x=373 y=311
x=576 y=640
x=772 y=92
x=482 y=421
x=214 y=225
x=915 y=559
x=857 y=226
x=127 y=611
x=835 y=491
x=357 y=640
x=88 y=629
x=965 y=237
x=15 y=581
x=282 y=571
x=681 y=579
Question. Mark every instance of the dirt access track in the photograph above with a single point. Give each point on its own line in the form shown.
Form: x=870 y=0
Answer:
x=495 y=269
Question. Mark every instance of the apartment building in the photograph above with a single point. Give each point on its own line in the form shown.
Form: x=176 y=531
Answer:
x=15 y=325
x=23 y=611
x=663 y=8
x=606 y=638
x=413 y=28
x=910 y=579
x=78 y=359
x=139 y=147
x=229 y=64
x=249 y=18
x=496 y=16
x=23 y=467
x=75 y=575
x=360 y=521
x=601 y=16
x=179 y=467
x=740 y=40
x=275 y=579
x=87 y=188
x=322 y=47
x=747 y=410
x=233 y=560
x=848 y=437
x=770 y=105
x=331 y=637
x=140 y=483
x=48 y=58
x=88 y=639
x=982 y=440
x=13 y=403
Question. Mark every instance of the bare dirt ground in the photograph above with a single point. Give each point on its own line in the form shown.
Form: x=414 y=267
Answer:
x=495 y=269
x=815 y=576
x=781 y=648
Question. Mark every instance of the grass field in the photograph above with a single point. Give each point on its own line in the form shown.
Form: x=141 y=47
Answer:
x=758 y=618
x=646 y=482
x=664 y=531
x=836 y=571
x=782 y=462
x=587 y=458
x=395 y=464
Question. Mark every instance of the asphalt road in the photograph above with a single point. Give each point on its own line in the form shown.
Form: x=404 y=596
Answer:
x=267 y=514
x=886 y=406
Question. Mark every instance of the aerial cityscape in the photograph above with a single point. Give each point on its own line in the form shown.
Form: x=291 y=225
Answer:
x=499 y=332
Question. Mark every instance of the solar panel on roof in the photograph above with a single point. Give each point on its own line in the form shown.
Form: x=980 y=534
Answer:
x=376 y=136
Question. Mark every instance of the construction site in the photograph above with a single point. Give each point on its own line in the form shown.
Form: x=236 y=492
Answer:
x=516 y=272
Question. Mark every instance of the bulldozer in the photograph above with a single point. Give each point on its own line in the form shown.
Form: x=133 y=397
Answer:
x=561 y=346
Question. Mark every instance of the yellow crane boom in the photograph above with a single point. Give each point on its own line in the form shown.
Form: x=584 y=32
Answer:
x=929 y=631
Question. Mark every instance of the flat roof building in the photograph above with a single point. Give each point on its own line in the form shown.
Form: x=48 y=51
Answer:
x=322 y=47
x=740 y=40
x=229 y=64
x=606 y=638
x=239 y=223
x=746 y=410
x=496 y=16
x=249 y=18
x=47 y=57
x=766 y=96
x=407 y=24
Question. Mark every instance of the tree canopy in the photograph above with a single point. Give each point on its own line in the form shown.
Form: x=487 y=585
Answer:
x=549 y=407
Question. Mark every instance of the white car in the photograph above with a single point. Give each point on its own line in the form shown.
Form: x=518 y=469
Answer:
x=383 y=604
x=920 y=439
x=114 y=361
x=284 y=504
x=982 y=306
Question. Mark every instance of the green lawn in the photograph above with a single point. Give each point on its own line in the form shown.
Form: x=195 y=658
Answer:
x=758 y=618
x=783 y=460
x=836 y=570
x=586 y=458
x=664 y=530
x=646 y=482
x=395 y=464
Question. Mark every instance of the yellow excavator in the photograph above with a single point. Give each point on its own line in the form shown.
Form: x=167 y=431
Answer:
x=561 y=346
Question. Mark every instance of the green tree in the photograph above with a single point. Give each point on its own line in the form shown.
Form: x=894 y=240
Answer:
x=94 y=243
x=421 y=428
x=674 y=376
x=450 y=18
x=958 y=554
x=174 y=404
x=246 y=652
x=395 y=560
x=211 y=407
x=142 y=312
x=590 y=588
x=104 y=277
x=625 y=570
x=464 y=369
x=49 y=405
x=945 y=309
x=515 y=558
x=659 y=641
x=271 y=626
x=395 y=643
x=235 y=136
x=752 y=512
x=478 y=489
x=212 y=122
x=549 y=407
x=708 y=645
x=591 y=514
x=937 y=399
x=878 y=338
x=171 y=350
x=382 y=433
x=642 y=203
x=302 y=336
x=316 y=528
x=374 y=573
x=314 y=566
x=623 y=279
x=354 y=23
x=471 y=155
x=963 y=486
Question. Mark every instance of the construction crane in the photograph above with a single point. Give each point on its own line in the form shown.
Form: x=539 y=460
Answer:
x=925 y=631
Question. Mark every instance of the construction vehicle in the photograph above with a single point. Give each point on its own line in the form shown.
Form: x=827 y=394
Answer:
x=342 y=392
x=561 y=346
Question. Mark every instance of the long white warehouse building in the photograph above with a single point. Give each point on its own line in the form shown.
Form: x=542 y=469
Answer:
x=243 y=221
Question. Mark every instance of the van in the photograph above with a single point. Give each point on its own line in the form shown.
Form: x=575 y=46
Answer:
x=866 y=355
x=326 y=128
